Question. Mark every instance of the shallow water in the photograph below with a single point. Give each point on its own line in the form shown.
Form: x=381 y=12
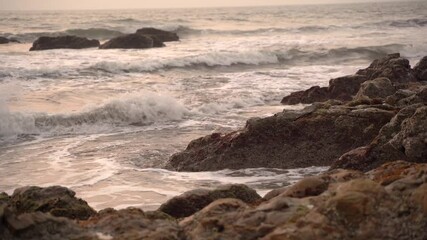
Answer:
x=104 y=122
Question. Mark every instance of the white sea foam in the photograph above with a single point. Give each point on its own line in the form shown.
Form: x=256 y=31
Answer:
x=141 y=108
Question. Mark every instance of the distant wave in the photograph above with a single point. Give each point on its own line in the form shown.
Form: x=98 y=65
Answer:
x=401 y=23
x=254 y=57
x=130 y=109
x=188 y=31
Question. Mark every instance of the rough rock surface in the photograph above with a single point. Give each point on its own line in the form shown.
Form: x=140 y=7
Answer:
x=377 y=88
x=71 y=42
x=132 y=41
x=317 y=135
x=361 y=207
x=393 y=67
x=404 y=137
x=133 y=223
x=56 y=200
x=193 y=201
x=161 y=35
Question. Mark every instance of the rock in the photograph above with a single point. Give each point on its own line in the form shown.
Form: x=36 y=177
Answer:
x=193 y=201
x=71 y=42
x=161 y=35
x=313 y=94
x=4 y=40
x=403 y=138
x=292 y=139
x=393 y=67
x=38 y=225
x=420 y=69
x=377 y=88
x=4 y=198
x=310 y=186
x=132 y=223
x=58 y=201
x=132 y=41
x=354 y=207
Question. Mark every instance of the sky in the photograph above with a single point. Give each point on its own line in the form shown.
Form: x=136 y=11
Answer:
x=129 y=4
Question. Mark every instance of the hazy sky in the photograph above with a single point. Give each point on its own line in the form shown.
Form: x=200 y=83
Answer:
x=108 y=4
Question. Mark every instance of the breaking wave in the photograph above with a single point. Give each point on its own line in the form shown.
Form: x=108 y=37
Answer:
x=143 y=108
x=254 y=57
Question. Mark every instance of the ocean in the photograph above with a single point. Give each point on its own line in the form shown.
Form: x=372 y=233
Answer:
x=105 y=122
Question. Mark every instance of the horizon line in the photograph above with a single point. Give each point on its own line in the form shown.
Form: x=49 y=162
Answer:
x=209 y=7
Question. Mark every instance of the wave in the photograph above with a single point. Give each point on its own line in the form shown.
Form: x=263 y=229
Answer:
x=143 y=108
x=401 y=23
x=253 y=57
x=188 y=31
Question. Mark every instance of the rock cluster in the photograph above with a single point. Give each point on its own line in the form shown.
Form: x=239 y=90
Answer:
x=365 y=120
x=389 y=202
x=4 y=40
x=143 y=38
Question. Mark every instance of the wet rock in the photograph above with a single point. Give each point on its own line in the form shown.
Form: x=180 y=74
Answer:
x=392 y=67
x=161 y=35
x=58 y=201
x=421 y=69
x=193 y=201
x=70 y=42
x=133 y=223
x=313 y=137
x=377 y=88
x=132 y=41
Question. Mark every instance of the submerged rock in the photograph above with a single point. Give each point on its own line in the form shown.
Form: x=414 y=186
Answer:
x=315 y=136
x=132 y=41
x=193 y=201
x=71 y=42
x=58 y=201
x=160 y=35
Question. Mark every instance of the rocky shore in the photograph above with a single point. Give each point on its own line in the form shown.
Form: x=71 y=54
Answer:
x=371 y=128
x=389 y=202
x=358 y=122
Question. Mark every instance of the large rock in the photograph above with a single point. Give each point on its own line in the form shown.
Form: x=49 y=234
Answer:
x=132 y=41
x=161 y=35
x=58 y=201
x=315 y=136
x=71 y=42
x=403 y=138
x=393 y=67
x=192 y=201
